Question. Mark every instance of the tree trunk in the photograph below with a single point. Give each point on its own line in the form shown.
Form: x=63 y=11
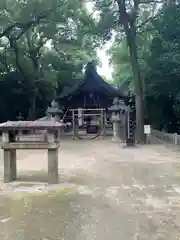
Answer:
x=128 y=20
x=32 y=108
x=131 y=41
x=140 y=138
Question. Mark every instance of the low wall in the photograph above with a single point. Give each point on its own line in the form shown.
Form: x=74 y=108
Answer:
x=171 y=138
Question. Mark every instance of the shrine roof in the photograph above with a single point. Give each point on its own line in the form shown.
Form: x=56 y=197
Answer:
x=91 y=82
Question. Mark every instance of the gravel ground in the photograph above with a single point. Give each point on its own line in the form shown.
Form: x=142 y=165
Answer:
x=106 y=192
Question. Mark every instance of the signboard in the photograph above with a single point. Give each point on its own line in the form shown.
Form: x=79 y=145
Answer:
x=147 y=129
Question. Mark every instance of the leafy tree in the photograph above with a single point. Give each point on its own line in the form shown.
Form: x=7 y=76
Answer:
x=159 y=63
x=164 y=72
x=45 y=42
x=127 y=14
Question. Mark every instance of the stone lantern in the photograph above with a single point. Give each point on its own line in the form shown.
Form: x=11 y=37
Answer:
x=54 y=111
x=116 y=109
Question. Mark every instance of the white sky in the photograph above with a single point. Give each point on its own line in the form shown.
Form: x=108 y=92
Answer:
x=105 y=69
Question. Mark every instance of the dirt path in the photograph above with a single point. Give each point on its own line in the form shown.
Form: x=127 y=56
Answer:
x=109 y=192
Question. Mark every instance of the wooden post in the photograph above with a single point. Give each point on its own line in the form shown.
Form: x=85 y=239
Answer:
x=52 y=161
x=9 y=161
x=7 y=166
x=102 y=123
x=104 y=119
x=13 y=164
x=73 y=122
x=53 y=177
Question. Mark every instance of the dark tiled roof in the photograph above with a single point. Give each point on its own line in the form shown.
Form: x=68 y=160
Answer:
x=91 y=82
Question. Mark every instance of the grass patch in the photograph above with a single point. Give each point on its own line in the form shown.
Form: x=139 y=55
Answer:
x=60 y=191
x=25 y=185
x=23 y=197
x=39 y=173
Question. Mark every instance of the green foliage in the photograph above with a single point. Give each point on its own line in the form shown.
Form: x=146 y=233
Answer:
x=164 y=72
x=44 y=46
x=159 y=58
x=120 y=58
x=46 y=43
x=165 y=58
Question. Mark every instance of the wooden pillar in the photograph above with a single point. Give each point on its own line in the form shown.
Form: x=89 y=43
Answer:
x=104 y=117
x=9 y=165
x=102 y=123
x=73 y=122
x=13 y=164
x=9 y=160
x=53 y=177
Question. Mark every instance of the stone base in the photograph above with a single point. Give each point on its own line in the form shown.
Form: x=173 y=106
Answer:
x=130 y=142
x=116 y=139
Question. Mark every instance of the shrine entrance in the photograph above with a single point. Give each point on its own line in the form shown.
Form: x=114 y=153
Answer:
x=85 y=105
x=88 y=123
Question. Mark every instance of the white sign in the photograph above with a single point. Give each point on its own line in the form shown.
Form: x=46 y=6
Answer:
x=147 y=129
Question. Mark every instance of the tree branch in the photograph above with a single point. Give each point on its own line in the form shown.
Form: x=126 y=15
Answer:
x=26 y=26
x=13 y=45
x=147 y=21
x=151 y=1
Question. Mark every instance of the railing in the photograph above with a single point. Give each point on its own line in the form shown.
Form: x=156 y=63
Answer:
x=172 y=138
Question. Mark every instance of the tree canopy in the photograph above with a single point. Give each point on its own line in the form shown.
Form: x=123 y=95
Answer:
x=44 y=46
x=158 y=56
